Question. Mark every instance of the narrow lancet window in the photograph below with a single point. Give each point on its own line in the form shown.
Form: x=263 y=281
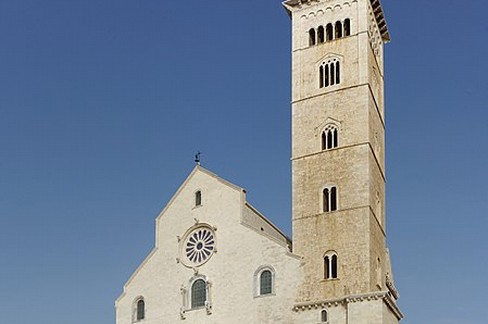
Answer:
x=332 y=73
x=347 y=27
x=338 y=29
x=329 y=199
x=321 y=76
x=334 y=266
x=323 y=316
x=326 y=75
x=320 y=34
x=311 y=37
x=329 y=33
x=140 y=310
x=326 y=202
x=198 y=198
x=333 y=199
x=338 y=72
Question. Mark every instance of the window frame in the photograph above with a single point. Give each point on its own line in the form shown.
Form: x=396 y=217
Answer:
x=329 y=142
x=331 y=265
x=330 y=72
x=136 y=310
x=257 y=281
x=329 y=199
x=191 y=292
x=324 y=319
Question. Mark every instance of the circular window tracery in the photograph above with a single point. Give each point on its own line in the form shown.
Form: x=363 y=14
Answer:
x=199 y=245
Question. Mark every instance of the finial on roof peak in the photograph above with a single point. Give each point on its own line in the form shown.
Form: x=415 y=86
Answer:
x=197 y=158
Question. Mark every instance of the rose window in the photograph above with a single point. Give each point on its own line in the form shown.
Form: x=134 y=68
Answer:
x=200 y=245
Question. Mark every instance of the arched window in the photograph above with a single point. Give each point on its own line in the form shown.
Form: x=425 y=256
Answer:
x=329 y=73
x=330 y=137
x=333 y=199
x=338 y=29
x=311 y=37
x=332 y=73
x=198 y=198
x=330 y=265
x=323 y=316
x=326 y=75
x=338 y=72
x=266 y=283
x=347 y=27
x=329 y=199
x=320 y=34
x=321 y=76
x=140 y=310
x=329 y=33
x=198 y=293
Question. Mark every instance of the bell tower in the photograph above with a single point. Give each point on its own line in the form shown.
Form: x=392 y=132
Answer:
x=338 y=162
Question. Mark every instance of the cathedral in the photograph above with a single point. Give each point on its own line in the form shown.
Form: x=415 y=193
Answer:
x=217 y=259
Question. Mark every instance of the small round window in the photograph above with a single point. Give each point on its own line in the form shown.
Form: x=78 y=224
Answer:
x=199 y=245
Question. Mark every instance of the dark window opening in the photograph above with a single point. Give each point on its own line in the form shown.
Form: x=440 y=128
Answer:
x=140 y=312
x=347 y=27
x=266 y=283
x=326 y=267
x=311 y=37
x=338 y=73
x=329 y=139
x=329 y=35
x=332 y=74
x=334 y=266
x=198 y=293
x=321 y=77
x=198 y=198
x=326 y=202
x=326 y=74
x=333 y=199
x=329 y=196
x=338 y=29
x=330 y=266
x=320 y=34
x=323 y=316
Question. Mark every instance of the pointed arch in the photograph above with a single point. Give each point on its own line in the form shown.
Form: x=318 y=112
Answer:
x=330 y=72
x=323 y=316
x=330 y=137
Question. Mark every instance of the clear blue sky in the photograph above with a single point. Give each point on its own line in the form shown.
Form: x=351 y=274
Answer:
x=104 y=102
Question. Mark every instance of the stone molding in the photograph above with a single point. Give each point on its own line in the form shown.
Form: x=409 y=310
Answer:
x=382 y=295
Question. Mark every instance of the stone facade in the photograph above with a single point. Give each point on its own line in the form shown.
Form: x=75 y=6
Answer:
x=245 y=242
x=218 y=260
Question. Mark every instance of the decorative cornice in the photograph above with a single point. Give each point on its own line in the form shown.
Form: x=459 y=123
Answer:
x=380 y=19
x=291 y=5
x=382 y=295
x=391 y=287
